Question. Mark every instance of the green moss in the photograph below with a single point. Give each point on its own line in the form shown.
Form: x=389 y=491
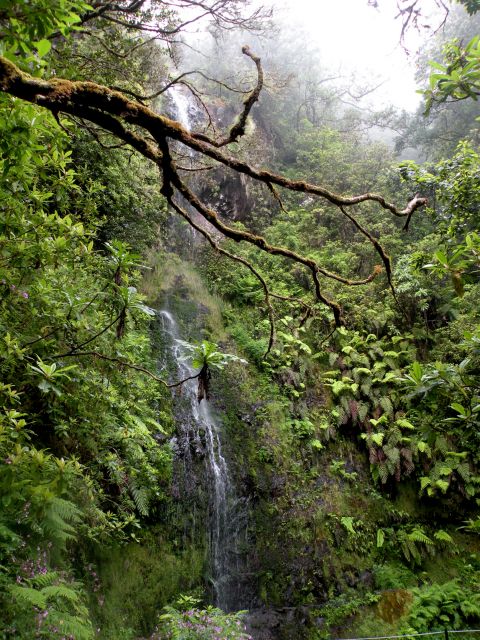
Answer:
x=134 y=582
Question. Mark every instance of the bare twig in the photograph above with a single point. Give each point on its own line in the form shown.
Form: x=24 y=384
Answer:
x=246 y=263
x=124 y=363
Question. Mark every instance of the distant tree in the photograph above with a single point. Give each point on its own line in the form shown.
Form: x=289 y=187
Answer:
x=446 y=117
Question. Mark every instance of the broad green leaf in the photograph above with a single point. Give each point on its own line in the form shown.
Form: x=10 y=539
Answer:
x=43 y=47
x=347 y=522
x=380 y=537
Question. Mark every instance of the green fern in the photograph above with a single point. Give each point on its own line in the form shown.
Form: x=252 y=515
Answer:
x=365 y=387
x=30 y=596
x=44 y=579
x=418 y=535
x=383 y=471
x=443 y=536
x=393 y=455
x=140 y=497
x=332 y=359
x=72 y=625
x=386 y=405
x=59 y=519
x=363 y=409
x=360 y=372
x=54 y=592
x=441 y=444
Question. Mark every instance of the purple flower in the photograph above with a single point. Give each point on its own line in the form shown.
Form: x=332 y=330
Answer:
x=24 y=294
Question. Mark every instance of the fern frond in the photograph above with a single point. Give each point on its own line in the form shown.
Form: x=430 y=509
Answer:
x=386 y=405
x=393 y=454
x=332 y=358
x=417 y=535
x=59 y=519
x=463 y=470
x=44 y=579
x=140 y=497
x=360 y=372
x=31 y=596
x=443 y=536
x=72 y=626
x=345 y=402
x=365 y=387
x=362 y=411
x=383 y=471
x=60 y=591
x=441 y=444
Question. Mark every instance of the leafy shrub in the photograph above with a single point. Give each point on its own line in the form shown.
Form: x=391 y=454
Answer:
x=450 y=605
x=179 y=623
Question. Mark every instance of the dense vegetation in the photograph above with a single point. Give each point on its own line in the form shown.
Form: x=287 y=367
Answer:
x=352 y=434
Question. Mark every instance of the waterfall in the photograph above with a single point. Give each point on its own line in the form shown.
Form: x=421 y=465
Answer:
x=181 y=106
x=199 y=431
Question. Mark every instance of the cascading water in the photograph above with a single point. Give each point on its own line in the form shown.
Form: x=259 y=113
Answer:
x=183 y=237
x=199 y=435
x=181 y=106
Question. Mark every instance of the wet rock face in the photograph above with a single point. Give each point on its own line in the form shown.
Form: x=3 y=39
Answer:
x=202 y=479
x=263 y=624
x=285 y=623
x=230 y=196
x=225 y=191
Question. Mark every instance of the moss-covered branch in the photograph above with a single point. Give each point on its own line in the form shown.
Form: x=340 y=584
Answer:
x=149 y=134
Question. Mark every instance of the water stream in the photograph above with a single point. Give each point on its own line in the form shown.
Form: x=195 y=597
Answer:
x=181 y=106
x=199 y=439
x=199 y=436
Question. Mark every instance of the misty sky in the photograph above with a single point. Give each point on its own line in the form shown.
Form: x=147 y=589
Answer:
x=355 y=37
x=357 y=40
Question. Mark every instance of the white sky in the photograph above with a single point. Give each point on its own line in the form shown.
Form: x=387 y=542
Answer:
x=355 y=37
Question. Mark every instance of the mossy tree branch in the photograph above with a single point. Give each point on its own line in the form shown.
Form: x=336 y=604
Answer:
x=149 y=133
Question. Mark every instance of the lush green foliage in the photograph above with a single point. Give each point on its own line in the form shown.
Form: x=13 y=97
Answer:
x=459 y=77
x=356 y=451
x=81 y=461
x=186 y=622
